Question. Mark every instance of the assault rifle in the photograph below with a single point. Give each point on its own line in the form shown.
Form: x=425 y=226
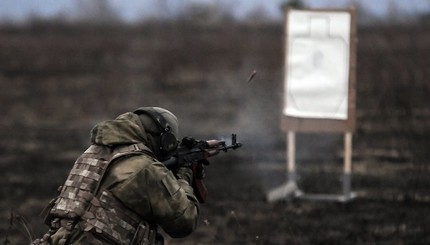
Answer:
x=194 y=153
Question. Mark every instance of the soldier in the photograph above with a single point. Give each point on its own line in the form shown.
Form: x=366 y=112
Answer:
x=118 y=190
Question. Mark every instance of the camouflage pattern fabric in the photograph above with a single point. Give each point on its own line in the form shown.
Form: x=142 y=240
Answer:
x=141 y=185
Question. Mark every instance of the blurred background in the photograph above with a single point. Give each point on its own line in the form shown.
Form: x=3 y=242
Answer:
x=66 y=65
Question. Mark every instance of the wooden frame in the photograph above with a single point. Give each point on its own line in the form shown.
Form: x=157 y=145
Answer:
x=291 y=125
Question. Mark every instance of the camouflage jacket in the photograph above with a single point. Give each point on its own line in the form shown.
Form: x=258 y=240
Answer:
x=140 y=184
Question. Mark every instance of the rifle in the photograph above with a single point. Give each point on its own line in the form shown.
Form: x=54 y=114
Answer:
x=194 y=153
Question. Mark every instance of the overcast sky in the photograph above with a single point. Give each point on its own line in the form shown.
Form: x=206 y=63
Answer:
x=138 y=9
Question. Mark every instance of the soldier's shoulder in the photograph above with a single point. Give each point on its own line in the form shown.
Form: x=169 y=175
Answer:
x=136 y=161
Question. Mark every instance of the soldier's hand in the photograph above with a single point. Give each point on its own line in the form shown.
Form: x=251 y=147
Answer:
x=185 y=173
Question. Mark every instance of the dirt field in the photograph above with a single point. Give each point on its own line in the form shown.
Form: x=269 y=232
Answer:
x=56 y=83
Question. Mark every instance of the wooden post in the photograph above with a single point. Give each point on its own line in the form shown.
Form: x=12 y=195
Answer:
x=348 y=153
x=347 y=167
x=291 y=149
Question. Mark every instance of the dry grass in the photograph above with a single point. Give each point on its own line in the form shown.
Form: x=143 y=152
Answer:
x=55 y=84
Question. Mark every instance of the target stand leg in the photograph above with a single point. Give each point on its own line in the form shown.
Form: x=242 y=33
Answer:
x=289 y=189
x=347 y=169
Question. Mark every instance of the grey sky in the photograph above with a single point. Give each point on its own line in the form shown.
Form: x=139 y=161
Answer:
x=137 y=9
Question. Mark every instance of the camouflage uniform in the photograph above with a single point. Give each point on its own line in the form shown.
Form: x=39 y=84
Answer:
x=135 y=187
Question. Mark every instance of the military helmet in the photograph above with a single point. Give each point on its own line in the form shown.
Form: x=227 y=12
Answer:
x=162 y=125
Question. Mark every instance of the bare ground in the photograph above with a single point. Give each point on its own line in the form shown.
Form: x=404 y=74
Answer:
x=56 y=83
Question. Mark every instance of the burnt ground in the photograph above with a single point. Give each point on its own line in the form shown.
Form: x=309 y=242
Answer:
x=57 y=82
